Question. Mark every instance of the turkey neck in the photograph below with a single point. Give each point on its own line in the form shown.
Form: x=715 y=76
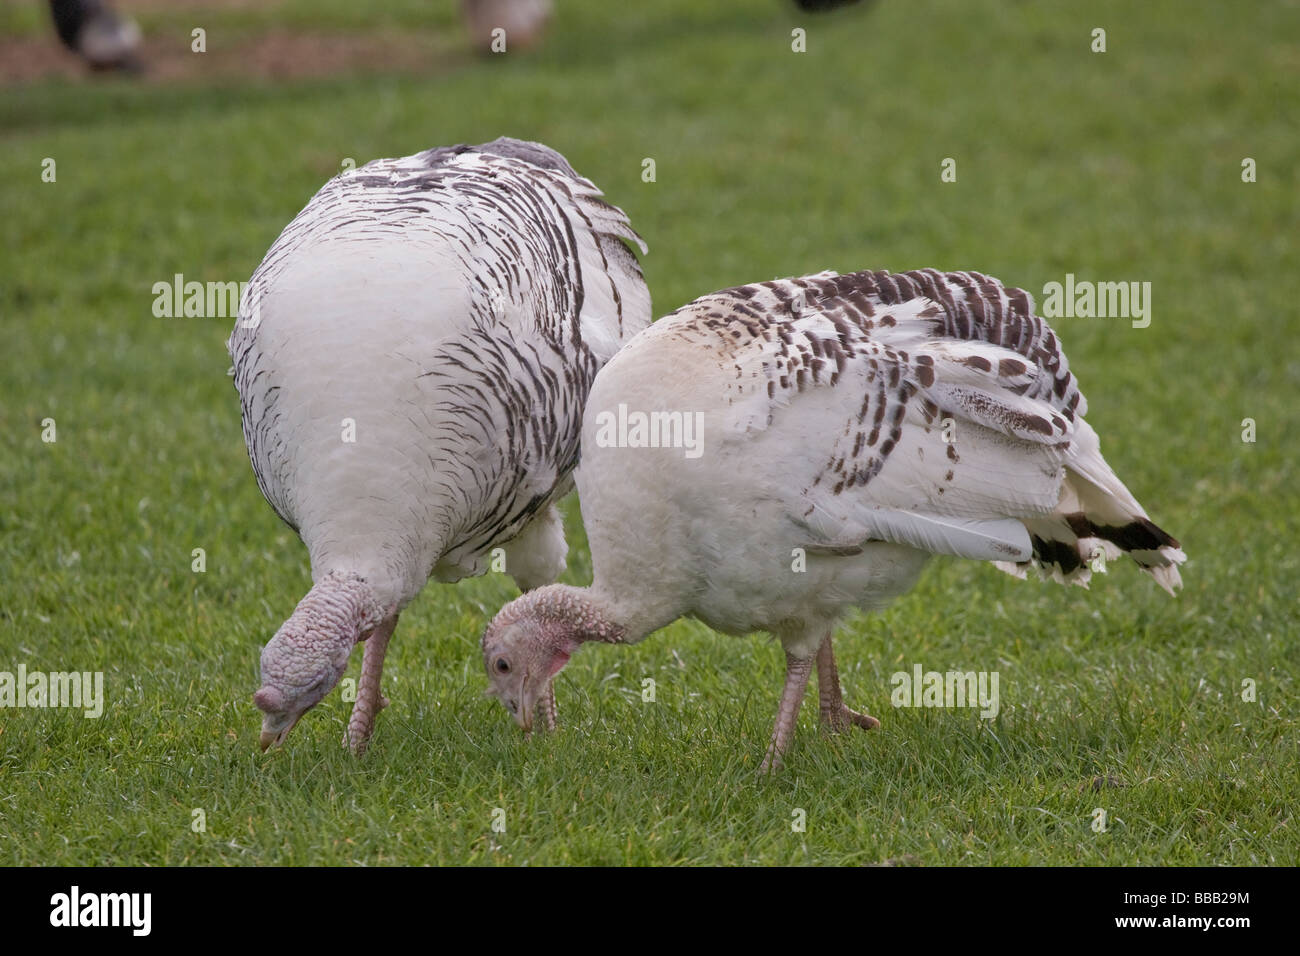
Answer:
x=340 y=603
x=579 y=613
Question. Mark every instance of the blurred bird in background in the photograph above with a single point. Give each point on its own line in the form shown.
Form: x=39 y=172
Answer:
x=97 y=33
x=521 y=22
x=107 y=40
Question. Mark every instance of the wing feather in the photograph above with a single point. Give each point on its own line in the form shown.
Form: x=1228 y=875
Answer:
x=929 y=409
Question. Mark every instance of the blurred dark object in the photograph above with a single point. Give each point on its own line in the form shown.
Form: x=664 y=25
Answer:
x=96 y=33
x=499 y=26
x=817 y=6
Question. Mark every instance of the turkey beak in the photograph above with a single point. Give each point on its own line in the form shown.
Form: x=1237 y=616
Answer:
x=527 y=705
x=526 y=713
x=274 y=730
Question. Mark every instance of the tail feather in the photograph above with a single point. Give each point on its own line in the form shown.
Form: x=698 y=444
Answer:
x=1097 y=520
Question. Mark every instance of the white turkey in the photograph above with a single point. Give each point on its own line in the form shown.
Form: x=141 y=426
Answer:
x=412 y=358
x=846 y=428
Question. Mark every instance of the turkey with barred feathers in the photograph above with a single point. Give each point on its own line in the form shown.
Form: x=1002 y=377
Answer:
x=861 y=422
x=413 y=357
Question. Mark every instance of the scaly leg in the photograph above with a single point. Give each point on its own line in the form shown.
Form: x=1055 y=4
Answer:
x=369 y=699
x=549 y=714
x=797 y=670
x=545 y=717
x=836 y=717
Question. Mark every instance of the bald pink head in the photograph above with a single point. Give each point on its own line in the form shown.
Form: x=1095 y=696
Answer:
x=531 y=639
x=309 y=653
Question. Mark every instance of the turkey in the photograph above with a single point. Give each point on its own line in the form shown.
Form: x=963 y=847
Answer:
x=412 y=357
x=770 y=456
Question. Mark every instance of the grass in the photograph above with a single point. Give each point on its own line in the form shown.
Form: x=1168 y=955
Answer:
x=1120 y=166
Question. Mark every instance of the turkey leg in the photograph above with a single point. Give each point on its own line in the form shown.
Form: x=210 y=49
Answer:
x=797 y=671
x=835 y=716
x=369 y=699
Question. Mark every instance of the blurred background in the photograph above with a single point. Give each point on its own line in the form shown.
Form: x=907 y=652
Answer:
x=769 y=160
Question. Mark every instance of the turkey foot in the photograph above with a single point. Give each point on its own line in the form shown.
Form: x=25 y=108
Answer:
x=835 y=716
x=370 y=701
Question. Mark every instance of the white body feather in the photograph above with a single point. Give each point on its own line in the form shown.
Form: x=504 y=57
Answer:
x=852 y=426
x=447 y=311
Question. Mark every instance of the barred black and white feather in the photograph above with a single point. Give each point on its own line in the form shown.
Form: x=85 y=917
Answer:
x=414 y=353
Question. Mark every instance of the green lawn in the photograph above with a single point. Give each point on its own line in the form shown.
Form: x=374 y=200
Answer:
x=1123 y=165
